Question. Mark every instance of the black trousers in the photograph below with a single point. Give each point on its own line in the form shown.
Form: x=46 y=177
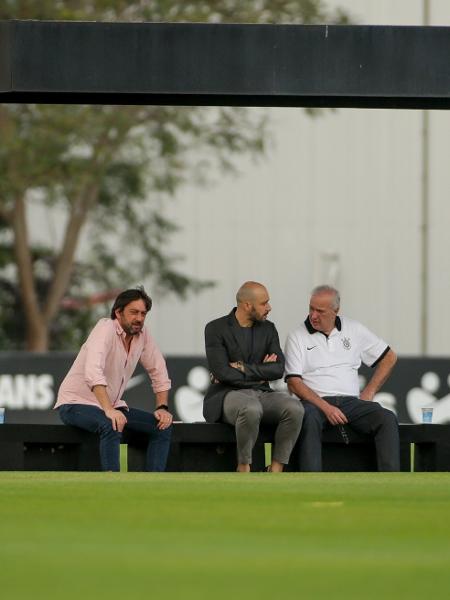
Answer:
x=364 y=417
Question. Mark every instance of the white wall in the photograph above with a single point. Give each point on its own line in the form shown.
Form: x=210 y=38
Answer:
x=337 y=199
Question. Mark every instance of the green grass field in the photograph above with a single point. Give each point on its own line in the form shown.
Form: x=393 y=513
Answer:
x=217 y=536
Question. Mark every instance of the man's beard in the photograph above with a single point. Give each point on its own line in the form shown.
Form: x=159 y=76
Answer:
x=130 y=329
x=255 y=318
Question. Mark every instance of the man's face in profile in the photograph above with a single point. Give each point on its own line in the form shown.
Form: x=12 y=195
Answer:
x=260 y=306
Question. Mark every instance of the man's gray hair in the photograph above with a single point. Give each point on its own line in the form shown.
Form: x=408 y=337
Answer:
x=328 y=289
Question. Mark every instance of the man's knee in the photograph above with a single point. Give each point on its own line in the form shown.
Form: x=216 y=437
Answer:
x=383 y=415
x=312 y=418
x=106 y=430
x=251 y=411
x=389 y=418
x=382 y=418
x=293 y=409
x=165 y=434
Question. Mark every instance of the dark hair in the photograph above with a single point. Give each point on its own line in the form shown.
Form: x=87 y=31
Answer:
x=124 y=298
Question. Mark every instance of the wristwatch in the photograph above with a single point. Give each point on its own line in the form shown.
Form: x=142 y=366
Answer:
x=162 y=407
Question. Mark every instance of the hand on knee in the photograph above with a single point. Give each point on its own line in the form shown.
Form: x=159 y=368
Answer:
x=106 y=431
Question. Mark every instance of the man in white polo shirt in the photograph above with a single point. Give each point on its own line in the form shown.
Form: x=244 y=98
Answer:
x=322 y=360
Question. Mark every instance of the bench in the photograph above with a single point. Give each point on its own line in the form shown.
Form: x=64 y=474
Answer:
x=431 y=445
x=209 y=447
x=47 y=448
x=212 y=447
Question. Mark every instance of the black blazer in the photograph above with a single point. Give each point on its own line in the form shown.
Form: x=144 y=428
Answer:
x=224 y=344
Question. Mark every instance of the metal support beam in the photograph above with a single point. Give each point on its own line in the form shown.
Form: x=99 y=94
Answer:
x=425 y=215
x=208 y=64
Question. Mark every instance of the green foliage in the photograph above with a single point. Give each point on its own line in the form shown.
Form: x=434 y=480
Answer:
x=75 y=316
x=212 y=11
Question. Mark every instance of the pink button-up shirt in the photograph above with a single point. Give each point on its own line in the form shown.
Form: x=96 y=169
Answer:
x=103 y=360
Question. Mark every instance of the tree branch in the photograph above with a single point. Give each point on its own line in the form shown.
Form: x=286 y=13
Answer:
x=25 y=273
x=86 y=199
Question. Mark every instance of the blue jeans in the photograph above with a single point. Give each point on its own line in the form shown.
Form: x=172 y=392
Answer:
x=94 y=419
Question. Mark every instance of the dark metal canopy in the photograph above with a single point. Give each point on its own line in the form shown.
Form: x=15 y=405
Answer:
x=209 y=64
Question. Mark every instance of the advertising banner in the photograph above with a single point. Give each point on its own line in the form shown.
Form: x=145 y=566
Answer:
x=29 y=385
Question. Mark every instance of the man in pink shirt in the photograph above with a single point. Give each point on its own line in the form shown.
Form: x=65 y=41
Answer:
x=90 y=396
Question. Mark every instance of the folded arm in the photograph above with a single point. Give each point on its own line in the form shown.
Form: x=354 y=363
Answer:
x=238 y=373
x=270 y=369
x=272 y=365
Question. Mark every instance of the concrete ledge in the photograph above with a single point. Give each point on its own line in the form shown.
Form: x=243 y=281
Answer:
x=209 y=447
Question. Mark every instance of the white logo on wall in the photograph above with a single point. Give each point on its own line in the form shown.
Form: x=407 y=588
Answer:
x=424 y=396
x=27 y=391
x=189 y=398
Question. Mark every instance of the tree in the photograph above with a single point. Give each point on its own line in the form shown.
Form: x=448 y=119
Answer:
x=102 y=166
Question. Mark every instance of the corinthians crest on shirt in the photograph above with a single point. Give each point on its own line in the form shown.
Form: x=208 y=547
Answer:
x=346 y=343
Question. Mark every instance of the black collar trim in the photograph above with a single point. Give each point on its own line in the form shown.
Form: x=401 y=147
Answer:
x=311 y=330
x=309 y=327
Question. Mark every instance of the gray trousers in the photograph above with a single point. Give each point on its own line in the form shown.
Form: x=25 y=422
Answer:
x=246 y=409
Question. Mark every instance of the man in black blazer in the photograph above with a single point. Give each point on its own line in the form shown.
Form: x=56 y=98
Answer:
x=244 y=354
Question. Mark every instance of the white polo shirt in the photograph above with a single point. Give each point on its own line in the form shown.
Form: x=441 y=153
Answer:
x=329 y=364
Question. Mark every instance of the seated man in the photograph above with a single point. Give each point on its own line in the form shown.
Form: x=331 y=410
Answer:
x=322 y=360
x=243 y=355
x=90 y=397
